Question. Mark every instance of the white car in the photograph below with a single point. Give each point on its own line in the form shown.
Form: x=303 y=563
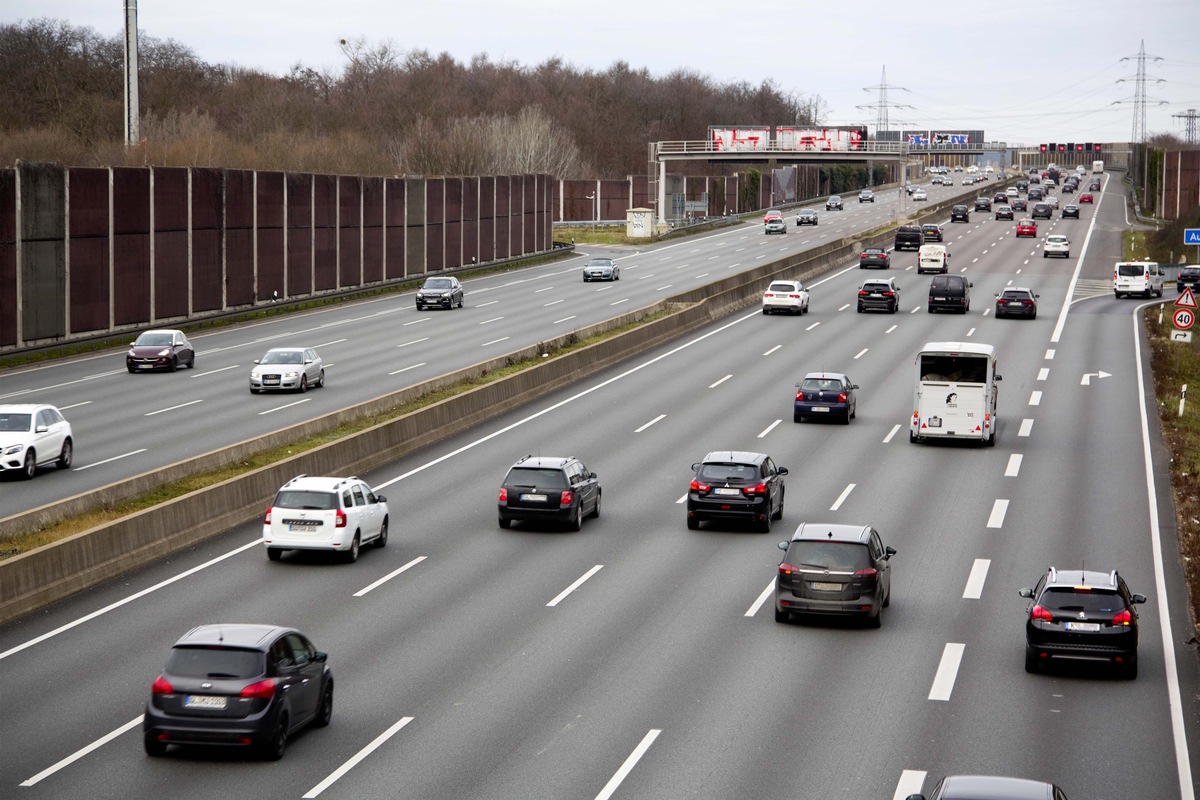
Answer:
x=1057 y=245
x=919 y=194
x=283 y=368
x=789 y=296
x=1012 y=191
x=332 y=514
x=32 y=436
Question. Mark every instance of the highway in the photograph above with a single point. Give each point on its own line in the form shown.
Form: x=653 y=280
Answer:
x=474 y=662
x=128 y=424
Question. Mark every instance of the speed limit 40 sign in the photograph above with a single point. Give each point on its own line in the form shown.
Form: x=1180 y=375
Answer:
x=1185 y=318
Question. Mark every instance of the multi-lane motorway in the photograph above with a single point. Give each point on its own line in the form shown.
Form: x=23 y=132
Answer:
x=465 y=667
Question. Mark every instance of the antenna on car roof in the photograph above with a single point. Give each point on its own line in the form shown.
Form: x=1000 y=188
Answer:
x=1082 y=571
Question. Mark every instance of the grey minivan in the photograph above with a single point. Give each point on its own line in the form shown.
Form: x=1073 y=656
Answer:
x=950 y=292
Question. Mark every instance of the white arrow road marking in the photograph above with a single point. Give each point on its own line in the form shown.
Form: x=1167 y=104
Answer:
x=1087 y=377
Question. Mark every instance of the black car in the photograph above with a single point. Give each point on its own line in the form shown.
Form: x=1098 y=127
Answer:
x=550 y=488
x=238 y=685
x=1035 y=193
x=444 y=292
x=730 y=485
x=828 y=395
x=1042 y=211
x=1019 y=204
x=834 y=569
x=1070 y=211
x=1004 y=212
x=1069 y=187
x=1188 y=277
x=983 y=204
x=960 y=213
x=909 y=237
x=1083 y=615
x=1016 y=303
x=806 y=216
x=834 y=201
x=950 y=293
x=974 y=787
x=1094 y=186
x=162 y=349
x=879 y=294
x=933 y=232
x=1022 y=186
x=875 y=257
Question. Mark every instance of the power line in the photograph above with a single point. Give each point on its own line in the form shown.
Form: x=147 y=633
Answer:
x=1189 y=117
x=882 y=105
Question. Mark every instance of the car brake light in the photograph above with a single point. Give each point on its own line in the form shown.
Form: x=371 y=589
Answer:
x=768 y=294
x=263 y=690
x=341 y=519
x=1026 y=302
x=162 y=686
x=1040 y=613
x=887 y=294
x=503 y=494
x=800 y=396
x=842 y=397
x=267 y=517
x=697 y=486
x=760 y=488
x=787 y=569
x=1124 y=618
x=863 y=293
x=869 y=572
x=794 y=296
x=566 y=497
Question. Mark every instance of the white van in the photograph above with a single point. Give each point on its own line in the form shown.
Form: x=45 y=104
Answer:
x=1138 y=277
x=956 y=393
x=933 y=258
x=1097 y=167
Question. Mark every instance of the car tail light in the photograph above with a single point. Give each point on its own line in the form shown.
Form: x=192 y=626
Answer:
x=757 y=489
x=842 y=397
x=503 y=494
x=1040 y=613
x=341 y=519
x=566 y=497
x=863 y=293
x=768 y=294
x=162 y=686
x=794 y=296
x=787 y=569
x=800 y=396
x=263 y=690
x=887 y=294
x=869 y=572
x=697 y=486
x=1026 y=302
x=267 y=517
x=864 y=255
x=1124 y=618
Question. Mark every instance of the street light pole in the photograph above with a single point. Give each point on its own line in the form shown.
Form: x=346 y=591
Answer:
x=595 y=212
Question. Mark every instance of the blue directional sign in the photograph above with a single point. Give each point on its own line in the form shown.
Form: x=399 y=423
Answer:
x=1191 y=236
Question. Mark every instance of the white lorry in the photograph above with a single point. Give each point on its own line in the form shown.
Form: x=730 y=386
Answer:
x=1097 y=167
x=955 y=396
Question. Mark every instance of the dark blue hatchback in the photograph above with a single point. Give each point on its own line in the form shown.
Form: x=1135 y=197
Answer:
x=825 y=395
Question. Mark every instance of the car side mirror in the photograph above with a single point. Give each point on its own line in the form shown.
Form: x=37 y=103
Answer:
x=783 y=545
x=592 y=475
x=308 y=361
x=41 y=429
x=697 y=464
x=782 y=470
x=997 y=294
x=320 y=657
x=969 y=284
x=1037 y=295
x=258 y=361
x=380 y=498
x=1137 y=598
x=888 y=552
x=854 y=386
x=998 y=378
x=1026 y=593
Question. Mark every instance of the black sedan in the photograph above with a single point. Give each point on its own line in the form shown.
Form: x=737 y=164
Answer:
x=736 y=486
x=875 y=257
x=1070 y=211
x=160 y=349
x=1016 y=302
x=829 y=395
x=1019 y=204
x=238 y=685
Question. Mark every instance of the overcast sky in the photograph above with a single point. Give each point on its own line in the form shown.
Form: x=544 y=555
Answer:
x=1025 y=71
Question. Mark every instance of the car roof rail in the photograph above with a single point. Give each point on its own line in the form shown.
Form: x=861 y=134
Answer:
x=1053 y=574
x=298 y=477
x=1112 y=577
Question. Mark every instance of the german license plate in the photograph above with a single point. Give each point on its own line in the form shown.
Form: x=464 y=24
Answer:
x=820 y=409
x=534 y=498
x=823 y=586
x=304 y=527
x=143 y=366
x=935 y=422
x=724 y=490
x=939 y=298
x=203 y=701
x=1083 y=627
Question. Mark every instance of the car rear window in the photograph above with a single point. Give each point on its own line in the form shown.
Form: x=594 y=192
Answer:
x=781 y=287
x=536 y=476
x=711 y=473
x=833 y=556
x=1014 y=295
x=876 y=287
x=1131 y=270
x=1190 y=272
x=214 y=662
x=317 y=501
x=1068 y=599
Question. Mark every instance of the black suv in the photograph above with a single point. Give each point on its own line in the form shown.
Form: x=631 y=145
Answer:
x=932 y=231
x=1188 y=276
x=240 y=685
x=1082 y=614
x=909 y=237
x=549 y=488
x=734 y=485
x=960 y=213
x=834 y=569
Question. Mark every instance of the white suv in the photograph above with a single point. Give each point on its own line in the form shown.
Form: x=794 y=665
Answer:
x=31 y=436
x=1056 y=245
x=338 y=514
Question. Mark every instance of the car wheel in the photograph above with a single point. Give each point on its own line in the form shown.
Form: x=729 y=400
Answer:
x=860 y=309
x=693 y=524
x=274 y=553
x=617 y=277
x=1129 y=671
x=765 y=311
x=765 y=525
x=991 y=440
x=29 y=468
x=65 y=455
x=585 y=279
x=381 y=542
x=596 y=509
x=1032 y=662
x=131 y=369
x=174 y=363
x=577 y=518
x=351 y=555
x=154 y=748
x=303 y=384
x=321 y=380
x=779 y=514
x=273 y=749
x=797 y=418
x=325 y=713
x=192 y=362
x=1033 y=315
x=461 y=300
x=782 y=616
x=912 y=438
x=254 y=391
x=505 y=523
x=846 y=418
x=875 y=621
x=887 y=598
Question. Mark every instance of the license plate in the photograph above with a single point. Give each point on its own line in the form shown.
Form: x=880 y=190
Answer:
x=305 y=527
x=1084 y=627
x=143 y=366
x=534 y=498
x=203 y=701
x=820 y=409
x=935 y=422
x=826 y=587
x=938 y=299
x=876 y=294
x=727 y=491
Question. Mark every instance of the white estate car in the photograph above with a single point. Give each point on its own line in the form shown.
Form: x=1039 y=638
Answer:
x=332 y=514
x=31 y=436
x=1056 y=245
x=789 y=296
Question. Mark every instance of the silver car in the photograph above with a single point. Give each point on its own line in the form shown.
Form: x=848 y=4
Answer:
x=601 y=269
x=290 y=368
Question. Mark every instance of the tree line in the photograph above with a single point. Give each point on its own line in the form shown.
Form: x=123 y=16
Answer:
x=385 y=111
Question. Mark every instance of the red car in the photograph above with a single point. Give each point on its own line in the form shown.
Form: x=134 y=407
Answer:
x=772 y=214
x=1027 y=227
x=1086 y=198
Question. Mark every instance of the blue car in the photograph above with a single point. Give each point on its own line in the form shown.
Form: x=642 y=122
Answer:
x=825 y=394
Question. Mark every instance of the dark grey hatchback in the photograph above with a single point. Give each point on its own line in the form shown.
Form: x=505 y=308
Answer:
x=732 y=485
x=551 y=488
x=238 y=685
x=834 y=569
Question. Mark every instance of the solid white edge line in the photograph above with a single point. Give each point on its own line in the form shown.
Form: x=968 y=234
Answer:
x=911 y=781
x=975 y=581
x=615 y=781
x=1187 y=790
x=762 y=598
x=770 y=428
x=389 y=576
x=651 y=422
x=78 y=754
x=1014 y=465
x=996 y=518
x=107 y=460
x=129 y=599
x=947 y=671
x=357 y=757
x=563 y=594
x=895 y=429
x=842 y=497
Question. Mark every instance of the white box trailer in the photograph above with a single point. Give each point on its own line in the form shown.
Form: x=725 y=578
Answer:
x=1097 y=167
x=955 y=395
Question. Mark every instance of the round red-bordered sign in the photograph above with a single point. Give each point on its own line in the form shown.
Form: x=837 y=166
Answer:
x=1185 y=318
